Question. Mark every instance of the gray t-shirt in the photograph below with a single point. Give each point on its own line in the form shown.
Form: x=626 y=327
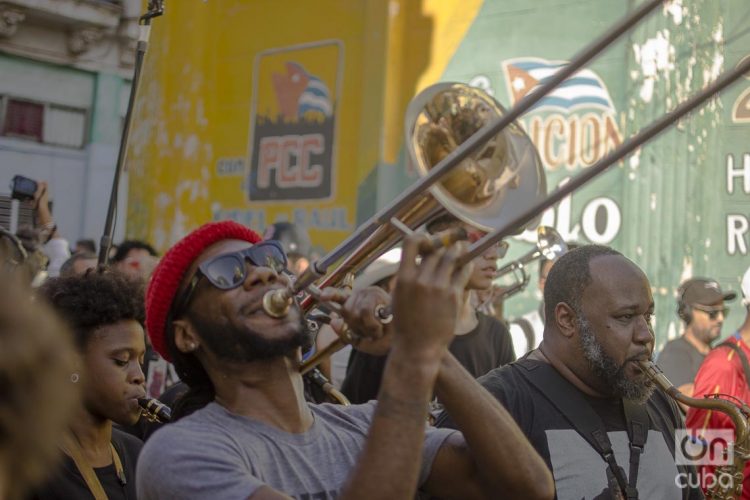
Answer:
x=680 y=361
x=214 y=454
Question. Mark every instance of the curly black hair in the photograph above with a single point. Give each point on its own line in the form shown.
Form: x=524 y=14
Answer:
x=95 y=299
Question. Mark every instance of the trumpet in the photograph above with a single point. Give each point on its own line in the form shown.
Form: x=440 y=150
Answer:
x=549 y=245
x=154 y=410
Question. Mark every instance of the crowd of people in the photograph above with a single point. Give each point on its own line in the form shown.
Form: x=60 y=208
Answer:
x=441 y=406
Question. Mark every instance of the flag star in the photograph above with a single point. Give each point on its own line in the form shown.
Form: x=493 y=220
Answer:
x=518 y=83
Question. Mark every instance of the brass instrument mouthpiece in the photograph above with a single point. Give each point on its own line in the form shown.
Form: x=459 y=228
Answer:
x=155 y=411
x=276 y=303
x=654 y=373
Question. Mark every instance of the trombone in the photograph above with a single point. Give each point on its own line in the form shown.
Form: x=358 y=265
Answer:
x=505 y=171
x=481 y=186
x=369 y=241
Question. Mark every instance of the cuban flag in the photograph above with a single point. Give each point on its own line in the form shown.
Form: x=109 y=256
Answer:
x=298 y=92
x=315 y=97
x=582 y=90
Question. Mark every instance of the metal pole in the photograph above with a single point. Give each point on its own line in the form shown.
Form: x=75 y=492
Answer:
x=155 y=9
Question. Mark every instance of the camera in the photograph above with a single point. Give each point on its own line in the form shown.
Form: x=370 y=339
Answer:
x=23 y=188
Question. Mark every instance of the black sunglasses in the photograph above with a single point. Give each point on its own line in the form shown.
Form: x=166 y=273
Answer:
x=228 y=270
x=713 y=313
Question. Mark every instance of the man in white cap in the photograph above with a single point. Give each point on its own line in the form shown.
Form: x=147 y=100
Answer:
x=481 y=342
x=725 y=371
x=380 y=273
x=700 y=305
x=363 y=370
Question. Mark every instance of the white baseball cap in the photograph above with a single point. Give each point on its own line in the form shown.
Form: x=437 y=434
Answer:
x=386 y=265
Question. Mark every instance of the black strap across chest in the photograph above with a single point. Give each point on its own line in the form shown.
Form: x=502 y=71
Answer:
x=579 y=413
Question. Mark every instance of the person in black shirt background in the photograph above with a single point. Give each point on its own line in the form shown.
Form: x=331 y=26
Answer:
x=481 y=342
x=583 y=385
x=106 y=313
x=700 y=306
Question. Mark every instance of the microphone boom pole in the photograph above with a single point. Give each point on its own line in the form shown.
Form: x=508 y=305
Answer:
x=155 y=9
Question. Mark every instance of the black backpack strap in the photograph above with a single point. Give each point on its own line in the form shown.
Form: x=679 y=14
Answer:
x=636 y=416
x=743 y=358
x=578 y=412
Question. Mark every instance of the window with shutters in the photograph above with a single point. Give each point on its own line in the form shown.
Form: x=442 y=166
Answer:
x=23 y=119
x=42 y=122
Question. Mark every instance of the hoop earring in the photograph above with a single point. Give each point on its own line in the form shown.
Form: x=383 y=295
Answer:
x=74 y=378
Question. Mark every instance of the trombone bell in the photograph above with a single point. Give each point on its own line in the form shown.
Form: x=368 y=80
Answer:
x=498 y=180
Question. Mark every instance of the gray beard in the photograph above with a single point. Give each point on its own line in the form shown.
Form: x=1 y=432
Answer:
x=606 y=369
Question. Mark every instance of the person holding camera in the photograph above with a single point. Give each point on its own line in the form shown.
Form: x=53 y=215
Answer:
x=45 y=233
x=55 y=246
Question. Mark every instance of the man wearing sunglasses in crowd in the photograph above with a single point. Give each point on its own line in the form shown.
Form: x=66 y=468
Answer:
x=725 y=371
x=700 y=306
x=244 y=429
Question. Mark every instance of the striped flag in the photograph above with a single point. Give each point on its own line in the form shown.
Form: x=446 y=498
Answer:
x=315 y=98
x=582 y=90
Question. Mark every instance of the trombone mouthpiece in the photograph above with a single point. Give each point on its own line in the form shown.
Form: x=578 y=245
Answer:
x=276 y=303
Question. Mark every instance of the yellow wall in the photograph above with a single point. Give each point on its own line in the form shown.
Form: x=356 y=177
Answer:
x=193 y=125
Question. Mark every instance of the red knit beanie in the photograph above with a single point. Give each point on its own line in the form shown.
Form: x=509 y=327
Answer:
x=169 y=273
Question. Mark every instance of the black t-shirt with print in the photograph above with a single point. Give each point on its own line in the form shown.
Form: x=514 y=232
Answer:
x=484 y=348
x=578 y=470
x=67 y=483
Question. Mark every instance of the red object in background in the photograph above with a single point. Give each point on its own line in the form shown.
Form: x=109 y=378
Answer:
x=24 y=119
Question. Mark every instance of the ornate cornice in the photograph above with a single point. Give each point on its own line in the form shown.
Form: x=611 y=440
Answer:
x=80 y=39
x=10 y=18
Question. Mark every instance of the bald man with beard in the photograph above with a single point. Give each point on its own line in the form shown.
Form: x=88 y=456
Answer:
x=581 y=398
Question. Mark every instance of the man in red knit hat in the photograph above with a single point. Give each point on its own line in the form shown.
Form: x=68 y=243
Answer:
x=244 y=429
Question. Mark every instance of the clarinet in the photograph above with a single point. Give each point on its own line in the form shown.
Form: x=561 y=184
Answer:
x=154 y=410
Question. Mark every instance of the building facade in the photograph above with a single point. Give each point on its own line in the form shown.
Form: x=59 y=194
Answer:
x=65 y=72
x=305 y=121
